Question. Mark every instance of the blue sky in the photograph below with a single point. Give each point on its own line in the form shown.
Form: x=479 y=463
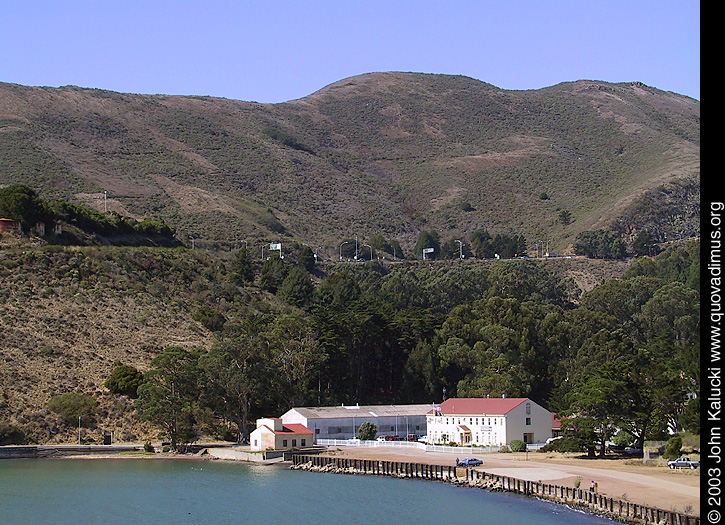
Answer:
x=273 y=51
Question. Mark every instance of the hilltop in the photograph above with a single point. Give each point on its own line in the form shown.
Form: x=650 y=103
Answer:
x=386 y=154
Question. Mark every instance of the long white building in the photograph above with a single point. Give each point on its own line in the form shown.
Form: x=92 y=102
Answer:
x=343 y=422
x=488 y=421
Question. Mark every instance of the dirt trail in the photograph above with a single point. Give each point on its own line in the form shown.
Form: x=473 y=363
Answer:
x=659 y=487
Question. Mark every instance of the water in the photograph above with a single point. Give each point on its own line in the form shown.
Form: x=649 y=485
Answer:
x=137 y=491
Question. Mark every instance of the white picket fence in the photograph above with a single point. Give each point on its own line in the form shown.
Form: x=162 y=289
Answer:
x=414 y=444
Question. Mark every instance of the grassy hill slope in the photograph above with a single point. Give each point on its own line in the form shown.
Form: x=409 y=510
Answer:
x=383 y=153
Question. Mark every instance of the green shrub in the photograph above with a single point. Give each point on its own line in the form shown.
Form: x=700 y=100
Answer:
x=210 y=318
x=72 y=406
x=564 y=445
x=673 y=448
x=11 y=435
x=124 y=380
x=367 y=431
x=517 y=445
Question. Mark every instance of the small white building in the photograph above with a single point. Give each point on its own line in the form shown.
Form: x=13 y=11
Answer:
x=271 y=433
x=488 y=421
x=343 y=422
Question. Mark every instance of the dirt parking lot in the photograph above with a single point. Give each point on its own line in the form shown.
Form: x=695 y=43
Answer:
x=626 y=479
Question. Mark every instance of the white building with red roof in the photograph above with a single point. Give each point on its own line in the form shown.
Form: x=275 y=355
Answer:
x=272 y=434
x=488 y=421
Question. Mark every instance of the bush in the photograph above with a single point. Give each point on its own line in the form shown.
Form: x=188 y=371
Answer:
x=564 y=445
x=72 y=406
x=124 y=380
x=517 y=445
x=210 y=318
x=673 y=448
x=367 y=431
x=11 y=435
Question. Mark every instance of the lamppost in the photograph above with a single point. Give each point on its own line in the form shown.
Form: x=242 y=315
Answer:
x=345 y=242
x=371 y=250
x=460 y=249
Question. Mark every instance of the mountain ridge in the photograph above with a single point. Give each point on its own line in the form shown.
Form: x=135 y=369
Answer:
x=387 y=154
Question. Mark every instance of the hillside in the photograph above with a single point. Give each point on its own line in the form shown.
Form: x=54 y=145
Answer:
x=386 y=154
x=69 y=315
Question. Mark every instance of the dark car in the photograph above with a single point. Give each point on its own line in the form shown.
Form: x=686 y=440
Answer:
x=468 y=462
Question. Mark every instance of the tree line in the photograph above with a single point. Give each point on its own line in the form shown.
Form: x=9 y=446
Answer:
x=623 y=357
x=22 y=203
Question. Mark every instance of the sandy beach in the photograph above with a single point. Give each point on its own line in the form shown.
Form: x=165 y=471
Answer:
x=626 y=479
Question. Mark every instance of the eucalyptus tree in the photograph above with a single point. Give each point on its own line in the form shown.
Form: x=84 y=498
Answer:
x=235 y=373
x=169 y=393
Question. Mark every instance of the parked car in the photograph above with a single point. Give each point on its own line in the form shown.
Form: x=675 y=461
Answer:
x=683 y=463
x=468 y=462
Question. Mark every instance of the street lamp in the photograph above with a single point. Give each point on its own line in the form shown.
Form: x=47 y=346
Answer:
x=346 y=242
x=371 y=250
x=460 y=249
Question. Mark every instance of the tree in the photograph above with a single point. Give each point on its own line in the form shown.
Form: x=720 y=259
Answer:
x=306 y=259
x=296 y=289
x=169 y=394
x=598 y=402
x=427 y=240
x=565 y=217
x=235 y=371
x=242 y=269
x=599 y=244
x=296 y=358
x=125 y=380
x=21 y=203
x=274 y=270
x=367 y=431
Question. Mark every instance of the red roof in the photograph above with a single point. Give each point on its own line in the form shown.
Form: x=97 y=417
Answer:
x=471 y=406
x=555 y=421
x=292 y=428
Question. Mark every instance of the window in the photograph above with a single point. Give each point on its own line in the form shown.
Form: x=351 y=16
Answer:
x=304 y=442
x=528 y=408
x=528 y=420
x=317 y=431
x=294 y=442
x=284 y=442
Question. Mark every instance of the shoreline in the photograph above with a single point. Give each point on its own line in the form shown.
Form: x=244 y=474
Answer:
x=589 y=502
x=622 y=479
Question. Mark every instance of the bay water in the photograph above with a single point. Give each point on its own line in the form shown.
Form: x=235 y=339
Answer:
x=139 y=491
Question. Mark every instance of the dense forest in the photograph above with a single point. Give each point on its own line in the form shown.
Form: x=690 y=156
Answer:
x=288 y=331
x=623 y=357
